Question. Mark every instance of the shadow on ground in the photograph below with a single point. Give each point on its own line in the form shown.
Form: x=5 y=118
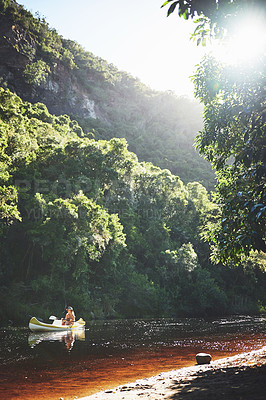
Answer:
x=233 y=383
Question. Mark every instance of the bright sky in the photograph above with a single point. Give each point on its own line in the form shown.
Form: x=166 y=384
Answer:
x=134 y=35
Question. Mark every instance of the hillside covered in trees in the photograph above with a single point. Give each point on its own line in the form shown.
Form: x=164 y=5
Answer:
x=41 y=66
x=86 y=221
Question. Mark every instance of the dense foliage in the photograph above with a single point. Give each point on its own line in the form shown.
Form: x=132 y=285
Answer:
x=235 y=127
x=83 y=222
x=233 y=137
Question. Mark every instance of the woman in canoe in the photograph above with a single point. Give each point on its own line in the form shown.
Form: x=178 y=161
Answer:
x=70 y=316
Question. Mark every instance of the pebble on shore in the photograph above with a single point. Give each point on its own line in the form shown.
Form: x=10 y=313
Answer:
x=203 y=358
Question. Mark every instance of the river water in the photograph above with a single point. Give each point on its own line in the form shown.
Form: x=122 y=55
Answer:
x=109 y=353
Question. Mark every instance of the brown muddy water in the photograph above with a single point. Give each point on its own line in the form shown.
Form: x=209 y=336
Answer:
x=109 y=353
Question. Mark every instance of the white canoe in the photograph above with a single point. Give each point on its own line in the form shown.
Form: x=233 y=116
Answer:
x=37 y=326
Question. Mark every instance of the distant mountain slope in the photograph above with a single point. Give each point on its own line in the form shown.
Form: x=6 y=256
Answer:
x=41 y=66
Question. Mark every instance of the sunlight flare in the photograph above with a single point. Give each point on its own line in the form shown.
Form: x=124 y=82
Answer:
x=246 y=42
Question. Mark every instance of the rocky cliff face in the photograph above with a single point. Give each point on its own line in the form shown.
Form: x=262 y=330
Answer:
x=61 y=91
x=12 y=61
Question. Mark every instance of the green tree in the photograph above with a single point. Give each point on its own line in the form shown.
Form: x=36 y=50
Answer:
x=233 y=136
x=37 y=73
x=233 y=139
x=8 y=204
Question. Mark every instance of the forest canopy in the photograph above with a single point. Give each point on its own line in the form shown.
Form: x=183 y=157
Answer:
x=84 y=222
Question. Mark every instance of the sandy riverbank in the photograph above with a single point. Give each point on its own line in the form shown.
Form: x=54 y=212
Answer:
x=241 y=377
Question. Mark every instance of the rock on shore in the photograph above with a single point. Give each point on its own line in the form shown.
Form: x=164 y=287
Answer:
x=241 y=377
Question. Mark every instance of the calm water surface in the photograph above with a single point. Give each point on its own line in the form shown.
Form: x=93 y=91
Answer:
x=110 y=353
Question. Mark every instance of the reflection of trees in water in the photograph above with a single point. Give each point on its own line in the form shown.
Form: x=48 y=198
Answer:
x=68 y=338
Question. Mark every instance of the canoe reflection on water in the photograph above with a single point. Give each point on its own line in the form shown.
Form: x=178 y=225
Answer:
x=67 y=337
